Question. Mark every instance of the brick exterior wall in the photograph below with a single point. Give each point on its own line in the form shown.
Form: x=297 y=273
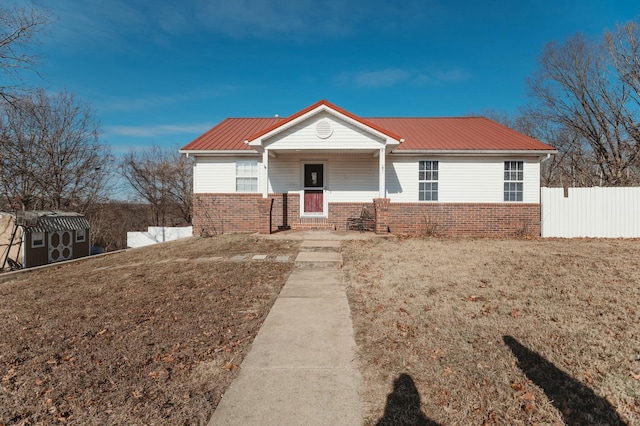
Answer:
x=465 y=219
x=225 y=213
x=285 y=211
x=340 y=212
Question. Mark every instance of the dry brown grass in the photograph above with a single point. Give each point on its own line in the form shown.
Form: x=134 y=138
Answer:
x=497 y=331
x=150 y=336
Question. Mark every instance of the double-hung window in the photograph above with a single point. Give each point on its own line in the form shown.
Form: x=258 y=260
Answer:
x=428 y=181
x=247 y=176
x=513 y=178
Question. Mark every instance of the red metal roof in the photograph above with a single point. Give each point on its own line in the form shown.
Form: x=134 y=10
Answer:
x=419 y=133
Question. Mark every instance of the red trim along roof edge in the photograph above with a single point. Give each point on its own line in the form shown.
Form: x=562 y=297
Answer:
x=328 y=105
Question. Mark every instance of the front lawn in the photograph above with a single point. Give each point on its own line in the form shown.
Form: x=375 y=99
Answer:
x=149 y=336
x=497 y=331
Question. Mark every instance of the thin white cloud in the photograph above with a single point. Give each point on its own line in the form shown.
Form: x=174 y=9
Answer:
x=157 y=130
x=389 y=77
x=149 y=101
x=382 y=78
x=112 y=24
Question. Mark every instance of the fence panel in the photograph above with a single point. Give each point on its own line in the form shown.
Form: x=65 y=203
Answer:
x=590 y=212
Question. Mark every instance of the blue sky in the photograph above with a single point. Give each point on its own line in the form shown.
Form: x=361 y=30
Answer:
x=162 y=72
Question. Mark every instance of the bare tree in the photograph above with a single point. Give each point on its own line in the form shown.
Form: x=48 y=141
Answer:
x=579 y=91
x=623 y=46
x=52 y=157
x=20 y=26
x=161 y=177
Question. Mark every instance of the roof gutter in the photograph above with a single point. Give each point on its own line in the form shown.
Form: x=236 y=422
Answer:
x=218 y=153
x=473 y=152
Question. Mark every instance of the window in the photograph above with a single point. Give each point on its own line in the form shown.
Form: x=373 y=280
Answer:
x=37 y=239
x=513 y=177
x=246 y=176
x=428 y=181
x=80 y=235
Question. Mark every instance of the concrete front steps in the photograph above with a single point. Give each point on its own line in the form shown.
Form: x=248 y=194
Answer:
x=313 y=224
x=318 y=253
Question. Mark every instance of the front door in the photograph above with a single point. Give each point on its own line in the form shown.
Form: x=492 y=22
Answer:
x=314 y=188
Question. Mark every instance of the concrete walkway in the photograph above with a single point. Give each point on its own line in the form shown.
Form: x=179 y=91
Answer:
x=302 y=367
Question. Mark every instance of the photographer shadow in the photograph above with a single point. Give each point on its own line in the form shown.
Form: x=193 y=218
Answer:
x=403 y=405
x=578 y=404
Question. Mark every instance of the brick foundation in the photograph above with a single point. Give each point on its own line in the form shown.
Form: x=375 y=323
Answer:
x=465 y=219
x=224 y=213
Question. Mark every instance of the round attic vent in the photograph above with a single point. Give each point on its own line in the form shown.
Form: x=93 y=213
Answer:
x=323 y=129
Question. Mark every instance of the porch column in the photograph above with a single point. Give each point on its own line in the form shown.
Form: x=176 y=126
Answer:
x=381 y=206
x=264 y=211
x=382 y=174
x=264 y=184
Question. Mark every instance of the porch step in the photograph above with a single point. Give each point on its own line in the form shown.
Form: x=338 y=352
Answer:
x=314 y=246
x=314 y=259
x=313 y=223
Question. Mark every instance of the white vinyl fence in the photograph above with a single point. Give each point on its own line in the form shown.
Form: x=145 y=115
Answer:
x=157 y=234
x=590 y=212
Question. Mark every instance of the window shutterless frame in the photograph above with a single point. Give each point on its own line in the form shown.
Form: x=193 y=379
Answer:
x=428 y=180
x=513 y=180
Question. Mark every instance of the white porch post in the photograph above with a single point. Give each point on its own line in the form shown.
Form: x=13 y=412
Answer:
x=382 y=182
x=265 y=182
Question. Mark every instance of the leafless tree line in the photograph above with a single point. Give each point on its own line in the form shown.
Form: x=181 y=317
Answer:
x=586 y=103
x=162 y=178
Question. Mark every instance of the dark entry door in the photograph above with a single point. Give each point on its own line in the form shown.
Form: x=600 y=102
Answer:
x=314 y=188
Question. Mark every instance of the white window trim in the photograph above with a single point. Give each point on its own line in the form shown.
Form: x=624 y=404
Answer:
x=509 y=180
x=81 y=235
x=431 y=181
x=240 y=174
x=34 y=239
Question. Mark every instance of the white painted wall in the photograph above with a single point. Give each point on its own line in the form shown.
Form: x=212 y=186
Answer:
x=591 y=212
x=460 y=180
x=354 y=177
x=157 y=234
x=218 y=175
x=303 y=136
x=348 y=178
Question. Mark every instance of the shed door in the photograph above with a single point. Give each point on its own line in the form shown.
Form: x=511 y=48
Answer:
x=60 y=246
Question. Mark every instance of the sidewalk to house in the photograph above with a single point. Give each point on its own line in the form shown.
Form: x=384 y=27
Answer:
x=302 y=366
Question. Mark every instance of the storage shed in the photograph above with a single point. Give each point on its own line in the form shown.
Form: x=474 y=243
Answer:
x=35 y=238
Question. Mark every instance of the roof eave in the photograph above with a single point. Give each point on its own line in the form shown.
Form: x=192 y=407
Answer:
x=257 y=139
x=475 y=152
x=218 y=152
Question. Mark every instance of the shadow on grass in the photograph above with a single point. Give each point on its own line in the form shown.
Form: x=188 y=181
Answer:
x=403 y=405
x=577 y=403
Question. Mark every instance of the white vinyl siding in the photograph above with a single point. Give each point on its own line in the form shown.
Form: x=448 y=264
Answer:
x=352 y=179
x=218 y=175
x=348 y=178
x=461 y=180
x=344 y=135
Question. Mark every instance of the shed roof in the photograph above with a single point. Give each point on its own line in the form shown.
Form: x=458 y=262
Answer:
x=51 y=221
x=418 y=133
